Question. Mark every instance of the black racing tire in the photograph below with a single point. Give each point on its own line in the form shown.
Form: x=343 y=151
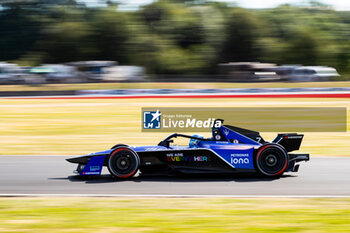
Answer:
x=271 y=160
x=123 y=163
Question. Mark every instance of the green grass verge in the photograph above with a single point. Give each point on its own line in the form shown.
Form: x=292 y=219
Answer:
x=174 y=215
x=95 y=86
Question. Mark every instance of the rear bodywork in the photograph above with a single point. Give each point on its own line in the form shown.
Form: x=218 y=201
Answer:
x=229 y=150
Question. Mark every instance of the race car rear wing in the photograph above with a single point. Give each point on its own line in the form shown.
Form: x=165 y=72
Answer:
x=290 y=142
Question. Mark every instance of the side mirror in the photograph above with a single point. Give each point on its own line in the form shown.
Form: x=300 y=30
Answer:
x=166 y=143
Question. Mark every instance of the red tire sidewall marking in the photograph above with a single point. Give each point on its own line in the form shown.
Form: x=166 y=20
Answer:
x=267 y=146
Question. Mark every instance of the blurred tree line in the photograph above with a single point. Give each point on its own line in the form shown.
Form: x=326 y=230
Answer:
x=173 y=37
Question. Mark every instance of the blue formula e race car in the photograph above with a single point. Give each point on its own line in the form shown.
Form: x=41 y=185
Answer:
x=229 y=150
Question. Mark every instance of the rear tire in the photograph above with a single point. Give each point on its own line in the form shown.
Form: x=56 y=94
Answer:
x=271 y=160
x=123 y=163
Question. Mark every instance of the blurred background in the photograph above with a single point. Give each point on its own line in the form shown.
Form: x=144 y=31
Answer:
x=46 y=41
x=67 y=47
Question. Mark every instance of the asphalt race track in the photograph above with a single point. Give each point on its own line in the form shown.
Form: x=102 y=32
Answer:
x=52 y=175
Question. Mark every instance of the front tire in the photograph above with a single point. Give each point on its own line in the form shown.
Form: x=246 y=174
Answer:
x=123 y=163
x=271 y=160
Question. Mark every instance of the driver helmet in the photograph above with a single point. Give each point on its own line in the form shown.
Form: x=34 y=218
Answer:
x=194 y=142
